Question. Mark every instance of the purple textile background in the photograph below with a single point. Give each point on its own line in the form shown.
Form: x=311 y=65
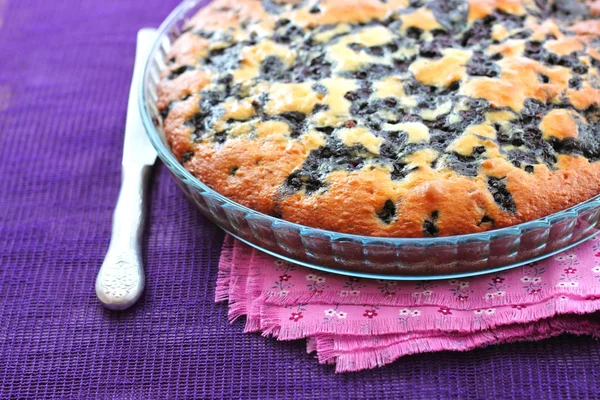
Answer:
x=65 y=68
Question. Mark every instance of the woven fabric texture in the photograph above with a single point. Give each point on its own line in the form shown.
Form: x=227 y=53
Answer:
x=65 y=69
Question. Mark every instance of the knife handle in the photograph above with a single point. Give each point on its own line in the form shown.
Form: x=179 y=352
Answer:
x=120 y=281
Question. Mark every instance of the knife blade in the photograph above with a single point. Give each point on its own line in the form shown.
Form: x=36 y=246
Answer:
x=120 y=281
x=137 y=147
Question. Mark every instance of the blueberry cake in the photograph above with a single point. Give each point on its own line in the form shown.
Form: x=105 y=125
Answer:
x=395 y=118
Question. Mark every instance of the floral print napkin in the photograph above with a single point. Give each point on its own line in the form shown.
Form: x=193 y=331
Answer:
x=360 y=323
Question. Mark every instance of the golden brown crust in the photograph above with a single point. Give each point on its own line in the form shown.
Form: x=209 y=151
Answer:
x=390 y=118
x=226 y=14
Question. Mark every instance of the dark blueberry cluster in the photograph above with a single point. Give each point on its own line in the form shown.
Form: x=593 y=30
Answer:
x=429 y=225
x=372 y=72
x=479 y=32
x=322 y=161
x=315 y=68
x=567 y=9
x=533 y=149
x=413 y=87
x=487 y=220
x=521 y=158
x=279 y=6
x=387 y=212
x=501 y=195
x=466 y=165
x=177 y=71
x=286 y=32
x=305 y=68
x=225 y=59
x=480 y=65
x=273 y=69
x=434 y=47
x=536 y=51
x=587 y=143
x=296 y=121
x=209 y=112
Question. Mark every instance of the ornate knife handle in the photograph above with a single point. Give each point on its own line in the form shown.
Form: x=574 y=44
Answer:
x=120 y=281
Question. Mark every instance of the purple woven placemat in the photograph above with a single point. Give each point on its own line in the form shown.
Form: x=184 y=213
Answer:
x=65 y=68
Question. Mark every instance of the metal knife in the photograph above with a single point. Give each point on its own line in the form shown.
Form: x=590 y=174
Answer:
x=120 y=281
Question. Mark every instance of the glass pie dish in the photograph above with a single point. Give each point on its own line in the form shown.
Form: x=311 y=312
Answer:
x=362 y=256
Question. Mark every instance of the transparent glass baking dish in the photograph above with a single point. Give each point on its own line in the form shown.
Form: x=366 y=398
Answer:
x=362 y=256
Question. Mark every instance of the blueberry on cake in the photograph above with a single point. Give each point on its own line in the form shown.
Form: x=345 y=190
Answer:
x=394 y=118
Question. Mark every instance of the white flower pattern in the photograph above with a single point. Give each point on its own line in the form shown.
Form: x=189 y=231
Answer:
x=330 y=312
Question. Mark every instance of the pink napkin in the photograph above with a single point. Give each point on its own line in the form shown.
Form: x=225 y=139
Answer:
x=360 y=323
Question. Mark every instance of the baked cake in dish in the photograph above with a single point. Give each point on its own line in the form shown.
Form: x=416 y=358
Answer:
x=395 y=118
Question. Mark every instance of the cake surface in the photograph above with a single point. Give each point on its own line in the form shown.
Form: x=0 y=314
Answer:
x=390 y=118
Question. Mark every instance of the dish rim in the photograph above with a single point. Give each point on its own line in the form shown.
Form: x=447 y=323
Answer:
x=168 y=158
